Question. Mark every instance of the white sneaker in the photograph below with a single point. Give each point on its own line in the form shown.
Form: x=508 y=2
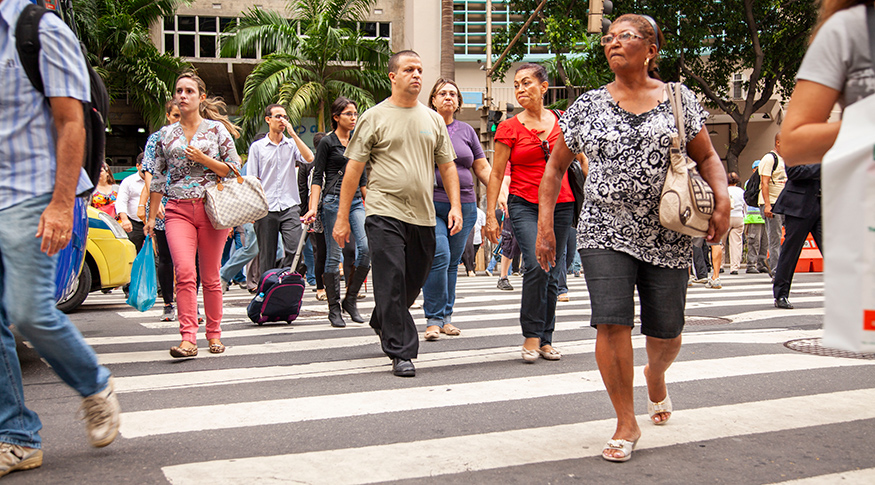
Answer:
x=715 y=284
x=101 y=414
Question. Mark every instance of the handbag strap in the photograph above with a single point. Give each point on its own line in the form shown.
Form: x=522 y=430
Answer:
x=870 y=21
x=674 y=96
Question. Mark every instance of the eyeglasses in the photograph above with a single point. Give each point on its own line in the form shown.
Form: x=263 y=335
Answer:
x=446 y=94
x=545 y=147
x=280 y=117
x=350 y=114
x=624 y=37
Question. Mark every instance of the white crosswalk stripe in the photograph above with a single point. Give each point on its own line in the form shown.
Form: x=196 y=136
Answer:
x=307 y=374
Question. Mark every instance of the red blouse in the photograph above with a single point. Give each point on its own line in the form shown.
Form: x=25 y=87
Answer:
x=527 y=159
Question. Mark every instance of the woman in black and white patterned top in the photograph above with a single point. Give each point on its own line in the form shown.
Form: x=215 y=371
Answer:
x=624 y=129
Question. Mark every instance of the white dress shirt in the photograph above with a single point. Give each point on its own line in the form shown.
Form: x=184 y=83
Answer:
x=129 y=196
x=275 y=165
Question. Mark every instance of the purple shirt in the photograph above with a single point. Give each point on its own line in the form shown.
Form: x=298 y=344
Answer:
x=467 y=147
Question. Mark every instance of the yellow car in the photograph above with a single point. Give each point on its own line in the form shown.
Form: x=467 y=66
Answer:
x=109 y=256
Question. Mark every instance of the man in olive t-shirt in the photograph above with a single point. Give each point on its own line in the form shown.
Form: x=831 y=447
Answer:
x=399 y=141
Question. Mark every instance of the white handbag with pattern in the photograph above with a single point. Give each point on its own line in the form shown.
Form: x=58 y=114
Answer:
x=235 y=201
x=687 y=200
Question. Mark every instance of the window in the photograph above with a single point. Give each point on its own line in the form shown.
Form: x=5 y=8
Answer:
x=737 y=92
x=469 y=29
x=196 y=36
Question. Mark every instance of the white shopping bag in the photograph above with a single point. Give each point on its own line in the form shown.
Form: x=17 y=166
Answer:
x=848 y=174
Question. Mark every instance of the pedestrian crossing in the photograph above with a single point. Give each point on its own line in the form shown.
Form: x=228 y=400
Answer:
x=308 y=403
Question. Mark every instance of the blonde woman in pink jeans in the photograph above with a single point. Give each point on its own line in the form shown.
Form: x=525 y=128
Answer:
x=189 y=155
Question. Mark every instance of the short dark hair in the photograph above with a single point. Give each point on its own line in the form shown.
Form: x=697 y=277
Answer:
x=395 y=59
x=440 y=83
x=537 y=69
x=317 y=138
x=140 y=158
x=733 y=178
x=269 y=110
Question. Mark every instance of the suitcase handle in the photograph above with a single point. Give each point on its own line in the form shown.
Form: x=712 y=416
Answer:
x=304 y=234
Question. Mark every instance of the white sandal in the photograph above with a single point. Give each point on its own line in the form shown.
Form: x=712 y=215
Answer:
x=654 y=408
x=552 y=354
x=625 y=446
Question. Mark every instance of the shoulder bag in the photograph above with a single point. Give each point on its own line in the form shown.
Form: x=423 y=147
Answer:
x=237 y=201
x=687 y=201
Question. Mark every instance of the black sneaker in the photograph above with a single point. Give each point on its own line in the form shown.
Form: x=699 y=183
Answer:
x=169 y=314
x=503 y=284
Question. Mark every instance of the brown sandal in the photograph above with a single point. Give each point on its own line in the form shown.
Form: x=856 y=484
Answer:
x=179 y=351
x=216 y=346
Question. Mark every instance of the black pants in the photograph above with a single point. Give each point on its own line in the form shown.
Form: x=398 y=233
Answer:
x=268 y=229
x=319 y=255
x=401 y=256
x=797 y=229
x=470 y=253
x=164 y=267
x=136 y=235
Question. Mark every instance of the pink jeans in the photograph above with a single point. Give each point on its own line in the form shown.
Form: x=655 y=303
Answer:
x=190 y=234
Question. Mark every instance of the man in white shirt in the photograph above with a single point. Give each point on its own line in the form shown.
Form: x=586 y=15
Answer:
x=774 y=176
x=273 y=160
x=126 y=205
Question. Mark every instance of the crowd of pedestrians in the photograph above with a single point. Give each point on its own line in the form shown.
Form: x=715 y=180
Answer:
x=398 y=182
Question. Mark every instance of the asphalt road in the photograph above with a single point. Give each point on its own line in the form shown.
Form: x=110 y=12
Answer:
x=307 y=403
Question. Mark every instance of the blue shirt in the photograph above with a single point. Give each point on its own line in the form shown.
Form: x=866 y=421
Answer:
x=27 y=153
x=275 y=165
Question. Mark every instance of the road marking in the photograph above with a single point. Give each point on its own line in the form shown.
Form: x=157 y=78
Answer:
x=248 y=414
x=854 y=476
x=459 y=454
x=220 y=377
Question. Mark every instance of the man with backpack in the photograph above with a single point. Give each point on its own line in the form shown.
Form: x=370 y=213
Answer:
x=45 y=139
x=754 y=225
x=773 y=176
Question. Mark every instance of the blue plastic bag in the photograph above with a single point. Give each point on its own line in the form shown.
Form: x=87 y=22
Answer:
x=144 y=282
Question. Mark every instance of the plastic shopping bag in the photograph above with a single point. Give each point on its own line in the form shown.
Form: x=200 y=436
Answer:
x=144 y=282
x=848 y=182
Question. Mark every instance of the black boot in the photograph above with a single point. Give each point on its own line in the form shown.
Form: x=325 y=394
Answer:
x=332 y=291
x=352 y=291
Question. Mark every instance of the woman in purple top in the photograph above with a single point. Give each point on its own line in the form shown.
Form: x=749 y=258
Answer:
x=439 y=291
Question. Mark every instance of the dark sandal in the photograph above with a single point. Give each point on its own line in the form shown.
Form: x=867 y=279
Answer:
x=216 y=347
x=182 y=352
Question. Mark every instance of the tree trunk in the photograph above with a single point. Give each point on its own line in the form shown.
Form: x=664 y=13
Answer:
x=320 y=117
x=448 y=60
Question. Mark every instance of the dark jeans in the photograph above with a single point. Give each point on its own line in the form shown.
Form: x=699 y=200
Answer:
x=797 y=229
x=570 y=250
x=318 y=239
x=401 y=254
x=268 y=229
x=538 y=306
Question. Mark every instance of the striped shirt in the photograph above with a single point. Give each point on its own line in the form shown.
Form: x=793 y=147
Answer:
x=27 y=154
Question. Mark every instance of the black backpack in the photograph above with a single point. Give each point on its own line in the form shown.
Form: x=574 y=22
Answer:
x=752 y=186
x=279 y=297
x=27 y=43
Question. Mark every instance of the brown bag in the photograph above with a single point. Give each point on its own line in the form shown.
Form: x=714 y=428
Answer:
x=687 y=201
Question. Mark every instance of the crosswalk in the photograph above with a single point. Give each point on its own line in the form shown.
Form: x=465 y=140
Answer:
x=308 y=403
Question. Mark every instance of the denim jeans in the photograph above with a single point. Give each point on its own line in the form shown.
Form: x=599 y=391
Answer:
x=439 y=291
x=538 y=305
x=241 y=256
x=27 y=288
x=309 y=261
x=330 y=205
x=570 y=248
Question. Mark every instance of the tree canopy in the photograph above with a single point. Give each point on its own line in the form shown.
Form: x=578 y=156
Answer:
x=116 y=35
x=305 y=72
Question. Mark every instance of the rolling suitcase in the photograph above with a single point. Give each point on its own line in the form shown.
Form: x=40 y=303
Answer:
x=280 y=292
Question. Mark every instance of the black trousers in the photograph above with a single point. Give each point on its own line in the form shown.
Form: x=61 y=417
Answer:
x=164 y=267
x=796 y=232
x=268 y=229
x=136 y=235
x=401 y=257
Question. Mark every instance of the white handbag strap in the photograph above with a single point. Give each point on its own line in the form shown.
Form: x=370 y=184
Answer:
x=674 y=96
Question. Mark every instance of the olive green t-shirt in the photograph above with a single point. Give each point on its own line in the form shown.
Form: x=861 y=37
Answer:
x=400 y=147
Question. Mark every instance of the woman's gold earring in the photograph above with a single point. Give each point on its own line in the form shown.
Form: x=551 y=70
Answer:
x=646 y=61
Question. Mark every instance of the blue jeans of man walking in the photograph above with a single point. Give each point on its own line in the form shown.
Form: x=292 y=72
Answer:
x=241 y=256
x=538 y=305
x=439 y=291
x=333 y=252
x=27 y=286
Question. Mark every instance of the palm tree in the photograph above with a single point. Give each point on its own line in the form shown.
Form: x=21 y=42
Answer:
x=305 y=72
x=448 y=58
x=116 y=35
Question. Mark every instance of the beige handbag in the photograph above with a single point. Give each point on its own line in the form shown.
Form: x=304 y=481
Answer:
x=236 y=201
x=687 y=201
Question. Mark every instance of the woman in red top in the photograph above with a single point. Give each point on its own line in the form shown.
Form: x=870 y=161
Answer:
x=525 y=142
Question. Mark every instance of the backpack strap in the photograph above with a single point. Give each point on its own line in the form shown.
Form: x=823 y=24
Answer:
x=28 y=44
x=870 y=22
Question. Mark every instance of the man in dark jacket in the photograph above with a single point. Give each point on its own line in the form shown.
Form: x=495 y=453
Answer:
x=800 y=204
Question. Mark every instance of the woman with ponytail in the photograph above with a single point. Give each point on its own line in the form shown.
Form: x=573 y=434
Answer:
x=189 y=155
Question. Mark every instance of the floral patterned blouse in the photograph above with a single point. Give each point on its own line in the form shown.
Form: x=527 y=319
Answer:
x=180 y=178
x=628 y=160
x=149 y=166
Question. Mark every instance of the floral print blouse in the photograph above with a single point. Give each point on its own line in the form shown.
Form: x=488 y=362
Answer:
x=180 y=178
x=105 y=202
x=628 y=160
